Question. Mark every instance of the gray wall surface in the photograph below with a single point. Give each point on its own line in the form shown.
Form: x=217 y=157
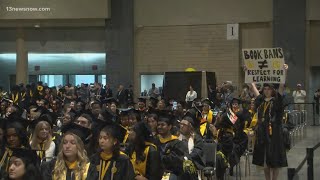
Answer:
x=54 y=9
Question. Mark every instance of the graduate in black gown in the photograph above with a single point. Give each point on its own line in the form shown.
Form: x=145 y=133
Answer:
x=269 y=150
x=109 y=163
x=174 y=153
x=232 y=140
x=15 y=136
x=194 y=142
x=72 y=162
x=143 y=153
x=23 y=164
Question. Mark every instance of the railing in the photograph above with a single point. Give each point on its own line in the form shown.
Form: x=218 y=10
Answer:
x=313 y=110
x=292 y=172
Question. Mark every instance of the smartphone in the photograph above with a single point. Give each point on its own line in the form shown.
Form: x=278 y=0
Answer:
x=174 y=105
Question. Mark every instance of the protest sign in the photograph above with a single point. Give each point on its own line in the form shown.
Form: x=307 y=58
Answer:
x=264 y=65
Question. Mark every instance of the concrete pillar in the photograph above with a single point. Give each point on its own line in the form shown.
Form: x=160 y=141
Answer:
x=22 y=58
x=289 y=32
x=119 y=44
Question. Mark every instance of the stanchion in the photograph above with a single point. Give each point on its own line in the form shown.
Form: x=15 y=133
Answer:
x=291 y=173
x=310 y=163
x=314 y=114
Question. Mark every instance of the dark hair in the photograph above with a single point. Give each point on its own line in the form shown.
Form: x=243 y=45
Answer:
x=32 y=171
x=110 y=130
x=135 y=115
x=154 y=116
x=143 y=134
x=21 y=133
x=87 y=116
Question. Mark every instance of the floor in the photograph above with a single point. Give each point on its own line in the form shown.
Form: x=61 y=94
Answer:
x=305 y=138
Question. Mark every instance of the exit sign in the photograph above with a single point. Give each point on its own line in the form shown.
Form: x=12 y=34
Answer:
x=232 y=31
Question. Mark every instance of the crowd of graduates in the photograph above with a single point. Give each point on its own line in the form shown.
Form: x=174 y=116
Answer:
x=44 y=136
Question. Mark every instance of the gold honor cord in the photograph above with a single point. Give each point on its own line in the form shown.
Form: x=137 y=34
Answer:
x=103 y=169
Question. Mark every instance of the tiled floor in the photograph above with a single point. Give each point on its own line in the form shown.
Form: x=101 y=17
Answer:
x=309 y=138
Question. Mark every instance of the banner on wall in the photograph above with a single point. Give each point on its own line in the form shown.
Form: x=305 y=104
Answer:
x=264 y=65
x=54 y=9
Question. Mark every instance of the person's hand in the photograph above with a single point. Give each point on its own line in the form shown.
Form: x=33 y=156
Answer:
x=285 y=66
x=245 y=68
x=139 y=177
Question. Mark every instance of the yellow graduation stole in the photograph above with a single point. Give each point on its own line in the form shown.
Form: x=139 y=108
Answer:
x=104 y=165
x=165 y=140
x=41 y=152
x=140 y=167
x=204 y=121
x=15 y=98
x=7 y=154
x=72 y=166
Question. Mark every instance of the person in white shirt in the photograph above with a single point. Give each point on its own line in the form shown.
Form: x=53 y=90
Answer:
x=190 y=96
x=299 y=96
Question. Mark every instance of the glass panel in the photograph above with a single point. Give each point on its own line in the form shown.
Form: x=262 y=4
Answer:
x=147 y=80
x=86 y=79
x=52 y=80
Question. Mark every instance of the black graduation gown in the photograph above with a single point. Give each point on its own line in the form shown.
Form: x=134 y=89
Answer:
x=196 y=155
x=153 y=164
x=48 y=167
x=232 y=141
x=270 y=149
x=124 y=168
x=172 y=153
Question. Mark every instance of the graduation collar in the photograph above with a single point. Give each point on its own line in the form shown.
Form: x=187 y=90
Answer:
x=105 y=156
x=72 y=165
x=167 y=139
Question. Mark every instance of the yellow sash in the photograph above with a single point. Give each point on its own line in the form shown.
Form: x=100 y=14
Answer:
x=63 y=176
x=165 y=140
x=15 y=98
x=140 y=168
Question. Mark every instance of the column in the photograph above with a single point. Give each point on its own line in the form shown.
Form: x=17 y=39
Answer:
x=119 y=44
x=22 y=58
x=289 y=32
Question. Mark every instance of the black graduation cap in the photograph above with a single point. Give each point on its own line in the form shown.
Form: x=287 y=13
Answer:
x=196 y=116
x=44 y=117
x=111 y=100
x=28 y=155
x=42 y=110
x=19 y=109
x=124 y=112
x=166 y=116
x=135 y=113
x=189 y=119
x=76 y=129
x=207 y=101
x=142 y=99
x=152 y=110
x=116 y=130
x=109 y=115
x=16 y=118
x=237 y=100
x=197 y=102
x=153 y=99
x=131 y=103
